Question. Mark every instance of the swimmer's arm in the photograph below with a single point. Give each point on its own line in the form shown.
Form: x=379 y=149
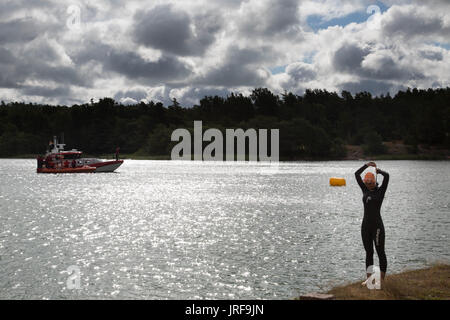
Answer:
x=385 y=179
x=358 y=176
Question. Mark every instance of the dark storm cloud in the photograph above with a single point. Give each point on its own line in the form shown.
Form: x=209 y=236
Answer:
x=130 y=64
x=432 y=55
x=6 y=56
x=19 y=30
x=40 y=56
x=43 y=91
x=245 y=56
x=240 y=68
x=349 y=57
x=133 y=66
x=301 y=72
x=234 y=75
x=412 y=22
x=91 y=50
x=278 y=17
x=21 y=70
x=166 y=28
x=388 y=69
x=9 y=77
x=15 y=70
x=59 y=74
x=283 y=14
x=10 y=7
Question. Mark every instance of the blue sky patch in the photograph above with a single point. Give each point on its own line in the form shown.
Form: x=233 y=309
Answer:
x=316 y=22
x=446 y=46
x=278 y=69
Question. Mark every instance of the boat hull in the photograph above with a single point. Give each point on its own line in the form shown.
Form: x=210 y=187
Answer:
x=106 y=166
x=67 y=170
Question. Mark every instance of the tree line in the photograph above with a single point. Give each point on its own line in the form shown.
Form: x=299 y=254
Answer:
x=315 y=125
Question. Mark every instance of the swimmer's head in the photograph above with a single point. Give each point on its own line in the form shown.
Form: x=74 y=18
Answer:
x=369 y=180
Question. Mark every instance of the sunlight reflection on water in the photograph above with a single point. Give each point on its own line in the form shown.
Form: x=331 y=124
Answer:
x=186 y=230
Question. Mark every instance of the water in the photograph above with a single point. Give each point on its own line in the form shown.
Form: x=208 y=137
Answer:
x=192 y=230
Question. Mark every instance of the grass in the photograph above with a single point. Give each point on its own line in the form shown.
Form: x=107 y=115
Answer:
x=432 y=283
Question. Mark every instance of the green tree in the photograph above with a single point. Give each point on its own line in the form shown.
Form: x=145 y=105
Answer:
x=373 y=144
x=158 y=141
x=265 y=102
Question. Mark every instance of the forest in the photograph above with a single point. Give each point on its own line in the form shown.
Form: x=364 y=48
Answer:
x=315 y=125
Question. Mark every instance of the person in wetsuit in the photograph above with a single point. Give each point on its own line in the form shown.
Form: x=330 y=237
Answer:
x=372 y=228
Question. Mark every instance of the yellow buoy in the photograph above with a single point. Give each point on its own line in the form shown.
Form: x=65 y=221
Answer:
x=337 y=182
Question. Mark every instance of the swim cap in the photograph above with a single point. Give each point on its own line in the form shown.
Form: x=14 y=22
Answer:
x=369 y=177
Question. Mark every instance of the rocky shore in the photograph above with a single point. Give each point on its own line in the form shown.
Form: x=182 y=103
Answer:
x=432 y=283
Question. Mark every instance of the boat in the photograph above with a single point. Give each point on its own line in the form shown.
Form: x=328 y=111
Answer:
x=84 y=169
x=58 y=160
x=100 y=165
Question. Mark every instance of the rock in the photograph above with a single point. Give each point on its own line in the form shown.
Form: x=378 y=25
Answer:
x=317 y=296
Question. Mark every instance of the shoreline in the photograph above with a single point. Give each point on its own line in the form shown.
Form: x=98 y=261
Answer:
x=420 y=157
x=394 y=150
x=430 y=283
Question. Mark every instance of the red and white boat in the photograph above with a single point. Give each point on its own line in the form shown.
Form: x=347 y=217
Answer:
x=84 y=169
x=100 y=165
x=58 y=160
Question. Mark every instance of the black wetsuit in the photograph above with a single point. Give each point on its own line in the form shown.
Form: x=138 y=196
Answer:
x=372 y=228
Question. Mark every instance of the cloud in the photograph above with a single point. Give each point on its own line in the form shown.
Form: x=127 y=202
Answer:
x=134 y=50
x=58 y=74
x=240 y=67
x=19 y=30
x=133 y=66
x=297 y=77
x=414 y=21
x=384 y=64
x=10 y=8
x=190 y=96
x=278 y=17
x=135 y=94
x=6 y=57
x=432 y=54
x=9 y=78
x=301 y=71
x=128 y=101
x=349 y=57
x=15 y=75
x=373 y=63
x=172 y=30
x=44 y=91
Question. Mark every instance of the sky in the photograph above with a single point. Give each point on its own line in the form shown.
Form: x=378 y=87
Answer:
x=69 y=52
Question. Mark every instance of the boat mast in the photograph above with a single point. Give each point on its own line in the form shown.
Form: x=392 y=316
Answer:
x=57 y=147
